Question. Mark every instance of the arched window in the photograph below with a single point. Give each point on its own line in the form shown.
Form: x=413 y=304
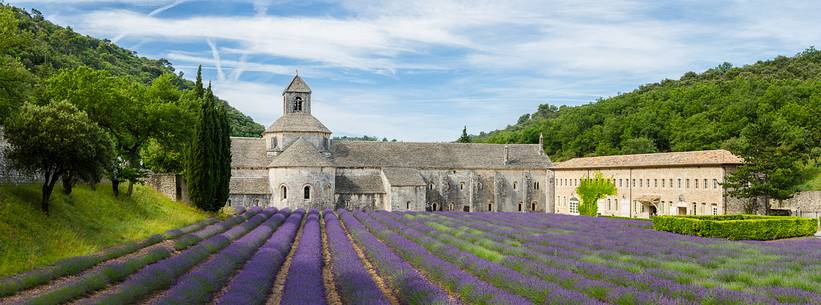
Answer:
x=306 y=192
x=489 y=207
x=407 y=205
x=283 y=191
x=520 y=206
x=434 y=207
x=461 y=185
x=533 y=206
x=479 y=185
x=298 y=104
x=514 y=185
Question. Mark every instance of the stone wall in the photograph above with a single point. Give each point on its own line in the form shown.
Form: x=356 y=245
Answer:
x=167 y=184
x=808 y=202
x=488 y=190
x=7 y=174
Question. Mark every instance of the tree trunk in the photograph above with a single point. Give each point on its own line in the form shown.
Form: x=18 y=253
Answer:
x=68 y=183
x=133 y=162
x=130 y=188
x=115 y=187
x=48 y=186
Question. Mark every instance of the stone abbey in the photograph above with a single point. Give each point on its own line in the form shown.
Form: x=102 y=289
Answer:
x=295 y=164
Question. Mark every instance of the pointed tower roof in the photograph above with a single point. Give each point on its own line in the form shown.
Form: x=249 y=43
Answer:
x=301 y=154
x=297 y=85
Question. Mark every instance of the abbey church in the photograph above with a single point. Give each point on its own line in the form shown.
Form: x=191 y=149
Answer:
x=295 y=164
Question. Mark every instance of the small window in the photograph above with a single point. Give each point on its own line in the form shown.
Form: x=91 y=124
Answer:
x=695 y=205
x=655 y=182
x=533 y=206
x=298 y=104
x=489 y=207
x=705 y=183
x=229 y=202
x=648 y=182
x=520 y=206
x=306 y=192
x=640 y=183
x=715 y=183
x=715 y=209
x=431 y=186
x=671 y=182
x=634 y=182
x=679 y=182
x=695 y=182
x=662 y=183
x=686 y=183
x=608 y=204
x=407 y=205
x=574 y=206
x=283 y=191
x=620 y=185
x=514 y=185
x=461 y=185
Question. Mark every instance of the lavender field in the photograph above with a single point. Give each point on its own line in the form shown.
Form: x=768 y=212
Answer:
x=269 y=256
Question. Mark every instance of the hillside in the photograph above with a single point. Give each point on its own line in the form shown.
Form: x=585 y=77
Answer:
x=705 y=110
x=83 y=223
x=50 y=48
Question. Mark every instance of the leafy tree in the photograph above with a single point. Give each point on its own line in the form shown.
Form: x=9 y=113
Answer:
x=465 y=138
x=54 y=140
x=639 y=145
x=16 y=82
x=774 y=153
x=591 y=190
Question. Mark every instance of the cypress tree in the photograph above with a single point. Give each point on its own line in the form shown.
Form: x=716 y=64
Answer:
x=199 y=162
x=198 y=90
x=224 y=153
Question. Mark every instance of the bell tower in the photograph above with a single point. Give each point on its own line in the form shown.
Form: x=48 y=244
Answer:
x=296 y=98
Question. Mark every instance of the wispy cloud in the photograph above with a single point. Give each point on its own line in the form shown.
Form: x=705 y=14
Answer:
x=420 y=69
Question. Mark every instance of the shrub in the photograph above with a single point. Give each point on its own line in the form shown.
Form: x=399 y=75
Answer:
x=737 y=227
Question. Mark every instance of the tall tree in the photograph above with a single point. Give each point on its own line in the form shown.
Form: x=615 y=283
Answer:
x=54 y=140
x=199 y=91
x=774 y=153
x=223 y=137
x=208 y=163
x=591 y=190
x=465 y=138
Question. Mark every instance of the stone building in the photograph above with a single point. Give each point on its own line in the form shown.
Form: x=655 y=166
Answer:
x=295 y=164
x=675 y=183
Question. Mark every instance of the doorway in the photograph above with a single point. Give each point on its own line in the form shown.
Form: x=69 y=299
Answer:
x=682 y=211
x=652 y=210
x=465 y=209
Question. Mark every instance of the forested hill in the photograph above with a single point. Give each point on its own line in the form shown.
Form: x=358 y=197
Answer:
x=50 y=48
x=699 y=111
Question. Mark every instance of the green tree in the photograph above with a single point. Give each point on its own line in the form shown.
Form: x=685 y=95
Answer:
x=16 y=83
x=208 y=162
x=591 y=190
x=640 y=145
x=775 y=153
x=465 y=138
x=54 y=140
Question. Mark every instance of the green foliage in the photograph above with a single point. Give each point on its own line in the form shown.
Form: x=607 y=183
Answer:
x=774 y=152
x=86 y=222
x=591 y=190
x=208 y=160
x=55 y=140
x=34 y=49
x=640 y=145
x=465 y=138
x=737 y=227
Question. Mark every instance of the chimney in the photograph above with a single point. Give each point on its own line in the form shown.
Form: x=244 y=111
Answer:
x=541 y=143
x=507 y=154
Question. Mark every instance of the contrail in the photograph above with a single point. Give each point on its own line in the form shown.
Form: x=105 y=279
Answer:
x=215 y=52
x=152 y=14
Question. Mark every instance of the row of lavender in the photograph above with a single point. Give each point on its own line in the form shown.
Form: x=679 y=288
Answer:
x=683 y=267
x=613 y=259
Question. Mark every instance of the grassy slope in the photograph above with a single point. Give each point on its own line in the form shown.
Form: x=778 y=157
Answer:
x=82 y=223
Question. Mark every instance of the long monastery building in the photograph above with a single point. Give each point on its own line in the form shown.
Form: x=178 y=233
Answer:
x=295 y=164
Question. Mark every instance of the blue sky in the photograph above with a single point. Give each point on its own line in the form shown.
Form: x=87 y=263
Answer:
x=420 y=70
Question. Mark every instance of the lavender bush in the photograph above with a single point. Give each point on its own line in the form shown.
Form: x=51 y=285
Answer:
x=254 y=282
x=353 y=282
x=304 y=284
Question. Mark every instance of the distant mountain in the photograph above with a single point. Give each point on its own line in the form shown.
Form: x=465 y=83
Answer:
x=54 y=47
x=705 y=110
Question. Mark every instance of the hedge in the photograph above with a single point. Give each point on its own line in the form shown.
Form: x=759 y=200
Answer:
x=737 y=227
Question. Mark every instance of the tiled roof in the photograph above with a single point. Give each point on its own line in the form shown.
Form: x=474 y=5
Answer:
x=249 y=185
x=437 y=155
x=248 y=152
x=359 y=184
x=403 y=176
x=298 y=122
x=300 y=154
x=297 y=85
x=687 y=158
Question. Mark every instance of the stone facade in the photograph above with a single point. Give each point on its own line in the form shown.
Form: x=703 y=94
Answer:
x=805 y=204
x=296 y=165
x=678 y=183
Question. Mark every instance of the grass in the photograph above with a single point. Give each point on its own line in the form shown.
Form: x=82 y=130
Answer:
x=812 y=174
x=82 y=223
